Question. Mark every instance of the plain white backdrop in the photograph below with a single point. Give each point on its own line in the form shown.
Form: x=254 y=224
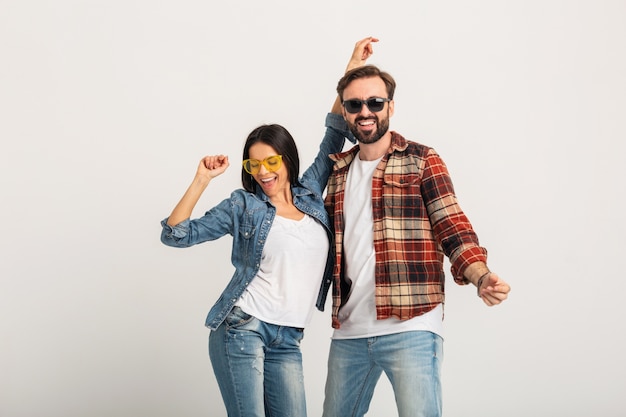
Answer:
x=107 y=106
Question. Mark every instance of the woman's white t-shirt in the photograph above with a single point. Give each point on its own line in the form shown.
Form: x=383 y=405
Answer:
x=285 y=289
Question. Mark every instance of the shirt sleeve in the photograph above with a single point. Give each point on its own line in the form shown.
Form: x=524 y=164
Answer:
x=338 y=123
x=215 y=223
x=174 y=232
x=451 y=226
x=320 y=169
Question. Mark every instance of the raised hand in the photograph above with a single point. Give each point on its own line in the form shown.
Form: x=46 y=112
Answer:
x=362 y=51
x=213 y=165
x=208 y=168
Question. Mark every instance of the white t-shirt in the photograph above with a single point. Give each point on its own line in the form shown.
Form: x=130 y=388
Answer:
x=285 y=289
x=358 y=315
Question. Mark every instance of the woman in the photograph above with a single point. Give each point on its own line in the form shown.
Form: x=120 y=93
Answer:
x=281 y=235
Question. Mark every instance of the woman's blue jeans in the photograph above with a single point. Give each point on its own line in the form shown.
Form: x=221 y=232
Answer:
x=258 y=367
x=411 y=361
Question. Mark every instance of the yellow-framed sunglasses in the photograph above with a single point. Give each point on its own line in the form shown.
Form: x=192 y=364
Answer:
x=271 y=163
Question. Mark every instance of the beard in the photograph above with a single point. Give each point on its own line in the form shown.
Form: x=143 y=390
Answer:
x=382 y=126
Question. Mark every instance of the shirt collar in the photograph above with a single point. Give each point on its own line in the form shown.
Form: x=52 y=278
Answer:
x=342 y=159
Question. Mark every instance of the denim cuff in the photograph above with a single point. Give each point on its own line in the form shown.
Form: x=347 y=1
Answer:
x=337 y=123
x=179 y=231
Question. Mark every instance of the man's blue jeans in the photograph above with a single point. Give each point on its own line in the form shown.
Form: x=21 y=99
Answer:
x=411 y=361
x=258 y=367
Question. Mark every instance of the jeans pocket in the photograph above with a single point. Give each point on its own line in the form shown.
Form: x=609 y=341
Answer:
x=237 y=318
x=296 y=334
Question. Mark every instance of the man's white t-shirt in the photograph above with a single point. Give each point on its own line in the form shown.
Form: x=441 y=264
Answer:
x=358 y=315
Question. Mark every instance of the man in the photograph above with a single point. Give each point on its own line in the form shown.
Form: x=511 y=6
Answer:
x=395 y=216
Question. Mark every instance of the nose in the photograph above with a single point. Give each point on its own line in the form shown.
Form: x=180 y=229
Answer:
x=364 y=110
x=262 y=169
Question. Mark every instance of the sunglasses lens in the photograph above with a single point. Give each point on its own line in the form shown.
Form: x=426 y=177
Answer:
x=273 y=163
x=251 y=166
x=375 y=104
x=353 y=106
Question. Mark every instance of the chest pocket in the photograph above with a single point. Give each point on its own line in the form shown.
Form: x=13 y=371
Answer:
x=402 y=201
x=402 y=180
x=247 y=232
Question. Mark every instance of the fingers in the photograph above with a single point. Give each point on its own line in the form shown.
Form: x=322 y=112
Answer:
x=365 y=42
x=215 y=162
x=368 y=49
x=492 y=298
x=362 y=51
x=364 y=48
x=495 y=290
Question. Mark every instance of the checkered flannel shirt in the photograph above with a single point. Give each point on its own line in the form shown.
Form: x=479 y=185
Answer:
x=417 y=220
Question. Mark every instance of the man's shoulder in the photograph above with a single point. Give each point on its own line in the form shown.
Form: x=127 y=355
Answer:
x=409 y=147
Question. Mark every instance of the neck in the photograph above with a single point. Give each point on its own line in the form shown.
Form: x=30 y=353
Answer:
x=282 y=198
x=373 y=151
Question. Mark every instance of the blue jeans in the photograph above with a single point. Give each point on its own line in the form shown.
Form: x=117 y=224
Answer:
x=258 y=367
x=411 y=361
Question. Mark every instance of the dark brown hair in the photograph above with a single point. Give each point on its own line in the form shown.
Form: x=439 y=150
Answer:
x=366 y=72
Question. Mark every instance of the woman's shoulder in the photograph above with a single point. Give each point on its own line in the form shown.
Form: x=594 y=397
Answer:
x=308 y=188
x=245 y=198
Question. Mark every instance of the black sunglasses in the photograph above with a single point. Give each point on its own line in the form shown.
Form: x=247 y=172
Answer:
x=375 y=104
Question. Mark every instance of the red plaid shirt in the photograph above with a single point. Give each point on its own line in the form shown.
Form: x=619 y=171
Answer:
x=417 y=220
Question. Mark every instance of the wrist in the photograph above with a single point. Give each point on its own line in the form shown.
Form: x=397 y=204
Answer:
x=201 y=181
x=480 y=281
x=354 y=64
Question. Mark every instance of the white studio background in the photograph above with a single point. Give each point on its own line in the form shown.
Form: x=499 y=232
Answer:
x=107 y=106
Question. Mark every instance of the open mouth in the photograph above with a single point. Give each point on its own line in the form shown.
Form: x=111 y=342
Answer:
x=267 y=181
x=366 y=124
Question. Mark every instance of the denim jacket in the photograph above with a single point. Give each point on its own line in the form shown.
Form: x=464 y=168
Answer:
x=248 y=217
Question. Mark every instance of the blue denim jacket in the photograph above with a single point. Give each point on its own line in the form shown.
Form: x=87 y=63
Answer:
x=248 y=217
